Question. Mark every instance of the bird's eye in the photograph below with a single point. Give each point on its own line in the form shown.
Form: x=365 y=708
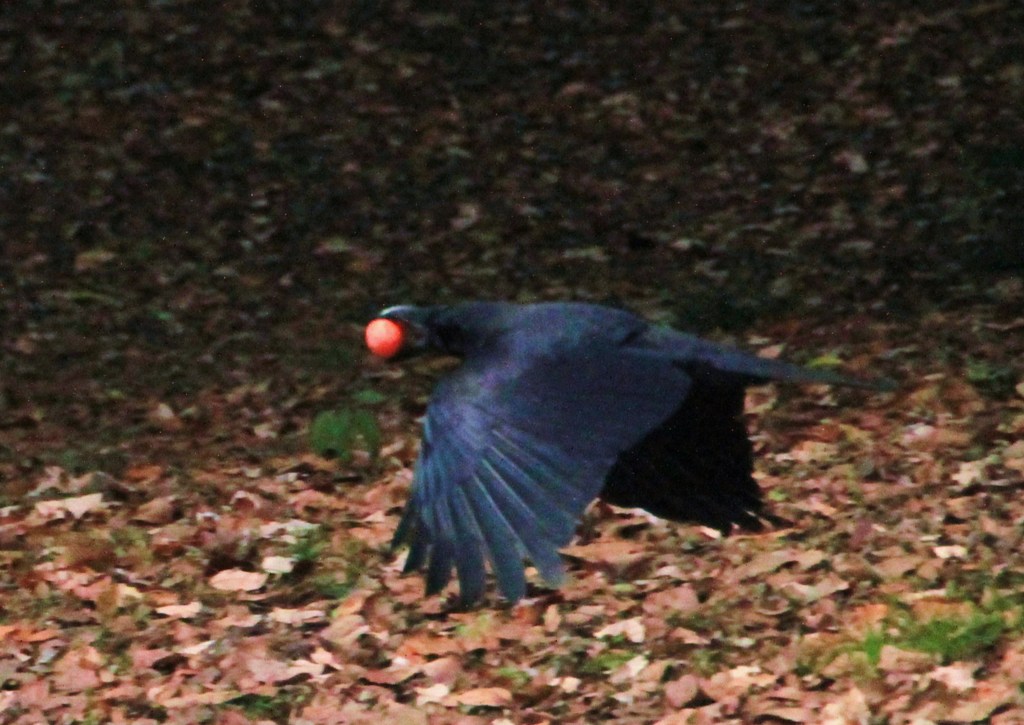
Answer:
x=449 y=338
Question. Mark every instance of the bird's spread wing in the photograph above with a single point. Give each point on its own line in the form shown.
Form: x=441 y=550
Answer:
x=509 y=461
x=741 y=367
x=697 y=465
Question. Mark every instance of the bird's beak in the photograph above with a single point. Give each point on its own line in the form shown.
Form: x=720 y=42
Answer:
x=413 y=322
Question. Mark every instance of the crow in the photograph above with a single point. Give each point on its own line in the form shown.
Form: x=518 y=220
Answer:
x=555 y=404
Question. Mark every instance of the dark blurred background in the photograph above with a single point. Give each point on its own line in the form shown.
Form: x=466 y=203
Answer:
x=211 y=195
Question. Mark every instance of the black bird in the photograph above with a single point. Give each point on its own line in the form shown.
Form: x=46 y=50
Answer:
x=555 y=404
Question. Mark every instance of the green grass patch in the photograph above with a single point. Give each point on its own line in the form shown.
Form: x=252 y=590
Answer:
x=514 y=675
x=954 y=633
x=991 y=380
x=606 y=662
x=308 y=545
x=337 y=433
x=955 y=638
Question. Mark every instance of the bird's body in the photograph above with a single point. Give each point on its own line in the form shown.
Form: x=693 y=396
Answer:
x=555 y=404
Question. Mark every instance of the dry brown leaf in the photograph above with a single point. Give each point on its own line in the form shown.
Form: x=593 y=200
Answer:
x=345 y=630
x=682 y=691
x=789 y=714
x=552 y=619
x=144 y=472
x=431 y=693
x=896 y=567
x=867 y=617
x=237 y=580
x=688 y=636
x=769 y=562
x=957 y=677
x=164 y=418
x=277 y=564
x=678 y=600
x=424 y=645
x=823 y=588
x=950 y=552
x=618 y=553
x=78 y=670
x=77 y=506
x=482 y=697
x=811 y=451
x=296 y=616
x=849 y=709
x=629 y=671
x=268 y=670
x=92 y=259
x=977 y=710
x=157 y=511
x=894 y=659
x=937 y=607
x=632 y=629
x=180 y=611
x=443 y=669
x=24 y=633
x=736 y=681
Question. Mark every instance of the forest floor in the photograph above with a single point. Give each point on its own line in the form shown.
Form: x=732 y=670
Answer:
x=198 y=214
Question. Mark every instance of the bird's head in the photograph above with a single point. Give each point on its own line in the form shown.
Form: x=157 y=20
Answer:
x=400 y=331
x=405 y=330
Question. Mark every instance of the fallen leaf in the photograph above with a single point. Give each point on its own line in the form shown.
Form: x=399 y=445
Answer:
x=297 y=616
x=277 y=564
x=77 y=506
x=773 y=560
x=483 y=697
x=237 y=580
x=431 y=693
x=144 y=472
x=180 y=611
x=443 y=670
x=92 y=259
x=682 y=691
x=976 y=710
x=894 y=659
x=568 y=684
x=552 y=619
x=425 y=645
x=850 y=708
x=618 y=553
x=164 y=418
x=631 y=629
x=957 y=677
x=158 y=511
x=897 y=566
x=950 y=552
x=969 y=472
x=790 y=714
x=77 y=670
x=823 y=588
x=678 y=600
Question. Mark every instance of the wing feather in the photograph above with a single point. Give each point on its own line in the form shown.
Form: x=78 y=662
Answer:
x=508 y=464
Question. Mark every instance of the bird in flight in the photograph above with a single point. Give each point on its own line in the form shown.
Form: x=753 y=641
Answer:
x=555 y=404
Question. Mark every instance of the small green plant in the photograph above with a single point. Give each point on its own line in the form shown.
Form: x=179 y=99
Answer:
x=872 y=645
x=265 y=707
x=994 y=381
x=308 y=545
x=705 y=661
x=516 y=676
x=606 y=662
x=956 y=638
x=337 y=432
x=332 y=588
x=960 y=635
